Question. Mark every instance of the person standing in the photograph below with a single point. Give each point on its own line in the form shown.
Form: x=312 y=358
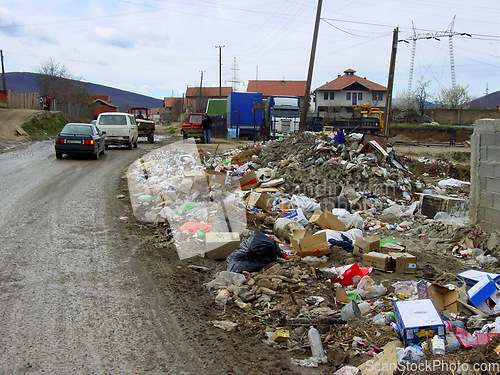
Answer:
x=41 y=103
x=47 y=102
x=207 y=126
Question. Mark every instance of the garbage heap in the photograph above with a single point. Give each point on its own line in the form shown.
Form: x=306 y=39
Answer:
x=318 y=271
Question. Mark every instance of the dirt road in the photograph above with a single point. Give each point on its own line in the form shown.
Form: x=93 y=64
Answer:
x=80 y=293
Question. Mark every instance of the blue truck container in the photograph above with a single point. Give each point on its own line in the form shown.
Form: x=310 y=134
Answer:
x=241 y=114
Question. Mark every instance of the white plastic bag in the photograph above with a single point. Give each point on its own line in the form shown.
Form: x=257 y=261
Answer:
x=306 y=203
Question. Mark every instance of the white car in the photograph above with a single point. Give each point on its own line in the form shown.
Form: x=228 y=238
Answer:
x=120 y=128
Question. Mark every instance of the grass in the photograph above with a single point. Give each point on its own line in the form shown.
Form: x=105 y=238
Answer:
x=461 y=157
x=171 y=130
x=45 y=126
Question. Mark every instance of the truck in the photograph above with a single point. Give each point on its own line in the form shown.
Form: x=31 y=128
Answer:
x=241 y=114
x=145 y=124
x=192 y=128
x=365 y=119
x=282 y=115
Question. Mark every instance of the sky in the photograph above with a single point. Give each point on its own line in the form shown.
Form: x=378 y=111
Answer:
x=160 y=47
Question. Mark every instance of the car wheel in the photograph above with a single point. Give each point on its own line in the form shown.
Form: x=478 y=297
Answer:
x=135 y=143
x=151 y=137
x=131 y=145
x=59 y=155
x=103 y=151
x=96 y=155
x=184 y=135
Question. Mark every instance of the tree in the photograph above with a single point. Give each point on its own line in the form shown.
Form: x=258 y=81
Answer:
x=55 y=81
x=407 y=103
x=421 y=95
x=454 y=97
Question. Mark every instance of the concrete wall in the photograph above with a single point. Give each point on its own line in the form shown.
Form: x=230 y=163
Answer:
x=485 y=174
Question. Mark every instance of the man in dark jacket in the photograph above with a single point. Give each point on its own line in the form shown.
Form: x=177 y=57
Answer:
x=207 y=125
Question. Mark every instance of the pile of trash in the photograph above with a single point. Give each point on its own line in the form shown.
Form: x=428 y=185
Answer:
x=306 y=227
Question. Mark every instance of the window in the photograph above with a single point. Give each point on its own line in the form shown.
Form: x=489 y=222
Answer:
x=374 y=96
x=380 y=96
x=325 y=95
x=347 y=96
x=332 y=95
x=360 y=96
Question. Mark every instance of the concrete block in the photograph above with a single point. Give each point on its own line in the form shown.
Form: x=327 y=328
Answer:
x=487 y=139
x=482 y=184
x=496 y=201
x=494 y=153
x=486 y=199
x=487 y=169
x=483 y=154
x=497 y=138
x=492 y=185
x=497 y=170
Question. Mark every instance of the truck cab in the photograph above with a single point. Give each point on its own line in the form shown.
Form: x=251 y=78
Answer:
x=283 y=115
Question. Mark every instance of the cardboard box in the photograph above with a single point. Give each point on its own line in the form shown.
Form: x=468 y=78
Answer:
x=215 y=178
x=364 y=246
x=198 y=178
x=378 y=261
x=249 y=181
x=417 y=320
x=220 y=244
x=263 y=201
x=374 y=146
x=485 y=295
x=471 y=277
x=326 y=220
x=390 y=247
x=443 y=298
x=404 y=262
x=304 y=244
x=185 y=186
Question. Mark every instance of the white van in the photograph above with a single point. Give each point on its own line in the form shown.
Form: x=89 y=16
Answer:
x=120 y=128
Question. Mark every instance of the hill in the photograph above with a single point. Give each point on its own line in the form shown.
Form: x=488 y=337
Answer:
x=490 y=101
x=26 y=82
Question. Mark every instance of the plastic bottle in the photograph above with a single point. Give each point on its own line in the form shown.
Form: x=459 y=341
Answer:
x=438 y=347
x=222 y=297
x=316 y=345
x=451 y=342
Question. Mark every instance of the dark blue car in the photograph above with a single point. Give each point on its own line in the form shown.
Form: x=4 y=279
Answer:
x=78 y=139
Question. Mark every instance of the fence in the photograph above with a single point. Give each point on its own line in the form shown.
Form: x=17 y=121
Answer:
x=31 y=100
x=23 y=100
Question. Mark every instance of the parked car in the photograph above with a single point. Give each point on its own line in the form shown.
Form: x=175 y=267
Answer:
x=120 y=128
x=77 y=139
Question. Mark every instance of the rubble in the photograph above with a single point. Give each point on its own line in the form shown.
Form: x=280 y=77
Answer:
x=339 y=269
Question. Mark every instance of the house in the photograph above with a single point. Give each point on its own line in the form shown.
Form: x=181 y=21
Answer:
x=102 y=103
x=268 y=88
x=338 y=98
x=172 y=109
x=197 y=97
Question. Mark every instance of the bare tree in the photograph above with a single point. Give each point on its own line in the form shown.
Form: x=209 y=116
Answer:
x=421 y=95
x=454 y=97
x=55 y=81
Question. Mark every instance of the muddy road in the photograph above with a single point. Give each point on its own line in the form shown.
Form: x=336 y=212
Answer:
x=82 y=291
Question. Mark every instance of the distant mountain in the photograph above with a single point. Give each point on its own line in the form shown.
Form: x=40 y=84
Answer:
x=26 y=82
x=490 y=101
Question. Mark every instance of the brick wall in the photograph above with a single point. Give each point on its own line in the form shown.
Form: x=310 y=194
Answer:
x=485 y=174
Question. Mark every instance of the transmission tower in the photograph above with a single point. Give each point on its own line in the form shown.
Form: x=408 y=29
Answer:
x=450 y=33
x=235 y=80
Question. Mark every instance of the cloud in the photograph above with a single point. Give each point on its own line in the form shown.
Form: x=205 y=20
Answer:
x=112 y=37
x=8 y=24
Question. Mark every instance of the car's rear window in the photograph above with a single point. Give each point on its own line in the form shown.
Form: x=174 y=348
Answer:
x=113 y=120
x=77 y=129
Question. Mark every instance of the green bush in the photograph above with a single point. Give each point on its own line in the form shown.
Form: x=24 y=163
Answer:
x=45 y=126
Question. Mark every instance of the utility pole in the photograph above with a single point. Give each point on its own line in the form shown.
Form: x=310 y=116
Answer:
x=390 y=84
x=198 y=104
x=3 y=73
x=220 y=70
x=305 y=104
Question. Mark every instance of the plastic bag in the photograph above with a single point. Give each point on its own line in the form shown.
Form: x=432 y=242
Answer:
x=224 y=279
x=296 y=215
x=253 y=254
x=193 y=227
x=367 y=288
x=306 y=203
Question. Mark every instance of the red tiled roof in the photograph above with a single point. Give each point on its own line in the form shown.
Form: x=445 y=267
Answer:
x=349 y=78
x=210 y=92
x=102 y=97
x=170 y=102
x=267 y=88
x=106 y=103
